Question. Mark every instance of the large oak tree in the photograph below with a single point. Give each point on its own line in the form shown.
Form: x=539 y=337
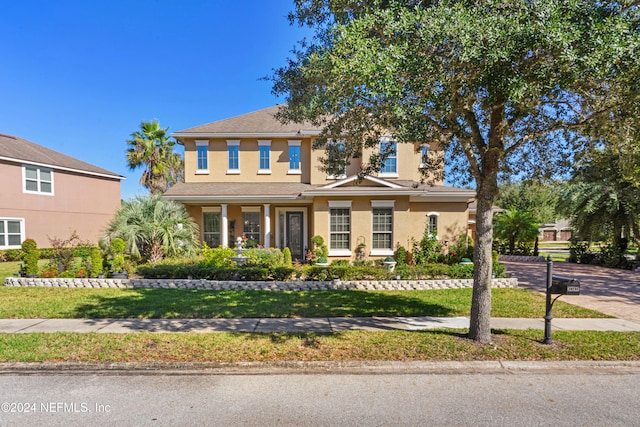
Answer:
x=506 y=86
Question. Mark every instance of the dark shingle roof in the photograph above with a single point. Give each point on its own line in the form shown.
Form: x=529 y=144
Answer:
x=17 y=149
x=257 y=122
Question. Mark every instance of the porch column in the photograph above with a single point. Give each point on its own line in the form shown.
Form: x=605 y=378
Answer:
x=225 y=227
x=267 y=225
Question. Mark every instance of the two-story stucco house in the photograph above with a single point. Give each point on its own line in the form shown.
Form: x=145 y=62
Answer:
x=251 y=175
x=46 y=194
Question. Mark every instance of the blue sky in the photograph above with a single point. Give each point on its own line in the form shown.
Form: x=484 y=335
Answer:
x=79 y=76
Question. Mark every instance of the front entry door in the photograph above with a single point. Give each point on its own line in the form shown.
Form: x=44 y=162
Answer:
x=295 y=238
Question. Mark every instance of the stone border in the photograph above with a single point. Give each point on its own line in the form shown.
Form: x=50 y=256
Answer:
x=389 y=285
x=521 y=258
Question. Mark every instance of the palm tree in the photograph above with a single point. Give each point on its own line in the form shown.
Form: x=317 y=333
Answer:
x=153 y=228
x=151 y=148
x=601 y=201
x=515 y=226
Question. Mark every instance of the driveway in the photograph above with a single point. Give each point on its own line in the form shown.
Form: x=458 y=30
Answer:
x=608 y=290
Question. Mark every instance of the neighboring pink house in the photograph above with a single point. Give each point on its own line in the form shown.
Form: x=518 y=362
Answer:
x=44 y=193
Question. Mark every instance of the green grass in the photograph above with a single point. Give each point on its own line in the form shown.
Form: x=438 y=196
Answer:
x=36 y=302
x=556 y=257
x=8 y=269
x=342 y=346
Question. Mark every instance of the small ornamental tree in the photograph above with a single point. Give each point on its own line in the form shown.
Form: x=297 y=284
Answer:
x=30 y=256
x=117 y=246
x=96 y=262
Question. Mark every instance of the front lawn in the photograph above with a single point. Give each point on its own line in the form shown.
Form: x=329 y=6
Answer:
x=342 y=346
x=35 y=302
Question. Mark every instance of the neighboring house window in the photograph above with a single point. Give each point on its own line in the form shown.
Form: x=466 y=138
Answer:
x=294 y=158
x=251 y=224
x=211 y=229
x=202 y=149
x=340 y=228
x=382 y=227
x=37 y=180
x=433 y=224
x=424 y=155
x=233 y=149
x=264 y=148
x=11 y=233
x=389 y=166
x=336 y=157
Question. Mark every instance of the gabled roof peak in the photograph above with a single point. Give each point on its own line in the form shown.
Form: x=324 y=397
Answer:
x=354 y=178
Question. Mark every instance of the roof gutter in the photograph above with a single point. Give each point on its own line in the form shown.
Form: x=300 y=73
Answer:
x=300 y=134
x=46 y=165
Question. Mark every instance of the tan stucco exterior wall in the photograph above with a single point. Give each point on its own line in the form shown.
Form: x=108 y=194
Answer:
x=409 y=220
x=249 y=161
x=81 y=203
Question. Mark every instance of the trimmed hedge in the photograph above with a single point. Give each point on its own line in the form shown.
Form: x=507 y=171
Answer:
x=180 y=270
x=196 y=271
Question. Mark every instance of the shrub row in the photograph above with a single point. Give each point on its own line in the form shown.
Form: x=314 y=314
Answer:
x=309 y=272
x=198 y=271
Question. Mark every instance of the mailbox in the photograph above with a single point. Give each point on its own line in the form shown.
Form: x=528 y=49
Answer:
x=564 y=286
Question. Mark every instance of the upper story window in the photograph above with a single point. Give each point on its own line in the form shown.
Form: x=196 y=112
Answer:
x=202 y=150
x=233 y=150
x=37 y=180
x=264 y=148
x=424 y=155
x=11 y=233
x=389 y=154
x=294 y=158
x=336 y=158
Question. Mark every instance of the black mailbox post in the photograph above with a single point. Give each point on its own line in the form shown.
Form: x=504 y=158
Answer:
x=560 y=286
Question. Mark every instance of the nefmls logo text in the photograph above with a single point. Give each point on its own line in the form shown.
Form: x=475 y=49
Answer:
x=66 y=407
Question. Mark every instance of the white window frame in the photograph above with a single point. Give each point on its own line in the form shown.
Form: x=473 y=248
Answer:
x=394 y=174
x=294 y=171
x=383 y=204
x=340 y=204
x=6 y=233
x=252 y=210
x=435 y=216
x=424 y=153
x=38 y=180
x=261 y=170
x=212 y=209
x=338 y=142
x=233 y=143
x=199 y=145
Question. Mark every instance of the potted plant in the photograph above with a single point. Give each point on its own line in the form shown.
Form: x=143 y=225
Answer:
x=390 y=263
x=322 y=261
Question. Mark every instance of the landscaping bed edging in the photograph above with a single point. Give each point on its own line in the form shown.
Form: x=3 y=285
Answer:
x=521 y=258
x=298 y=285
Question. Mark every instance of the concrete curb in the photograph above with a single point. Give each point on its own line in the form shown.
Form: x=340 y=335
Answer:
x=330 y=368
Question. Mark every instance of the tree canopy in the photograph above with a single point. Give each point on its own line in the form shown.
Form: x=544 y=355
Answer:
x=152 y=149
x=503 y=86
x=538 y=198
x=600 y=201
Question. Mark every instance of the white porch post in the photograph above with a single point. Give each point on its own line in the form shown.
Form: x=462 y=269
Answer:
x=267 y=225
x=225 y=227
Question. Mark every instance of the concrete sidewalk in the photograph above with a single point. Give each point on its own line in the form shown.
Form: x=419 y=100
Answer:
x=333 y=324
